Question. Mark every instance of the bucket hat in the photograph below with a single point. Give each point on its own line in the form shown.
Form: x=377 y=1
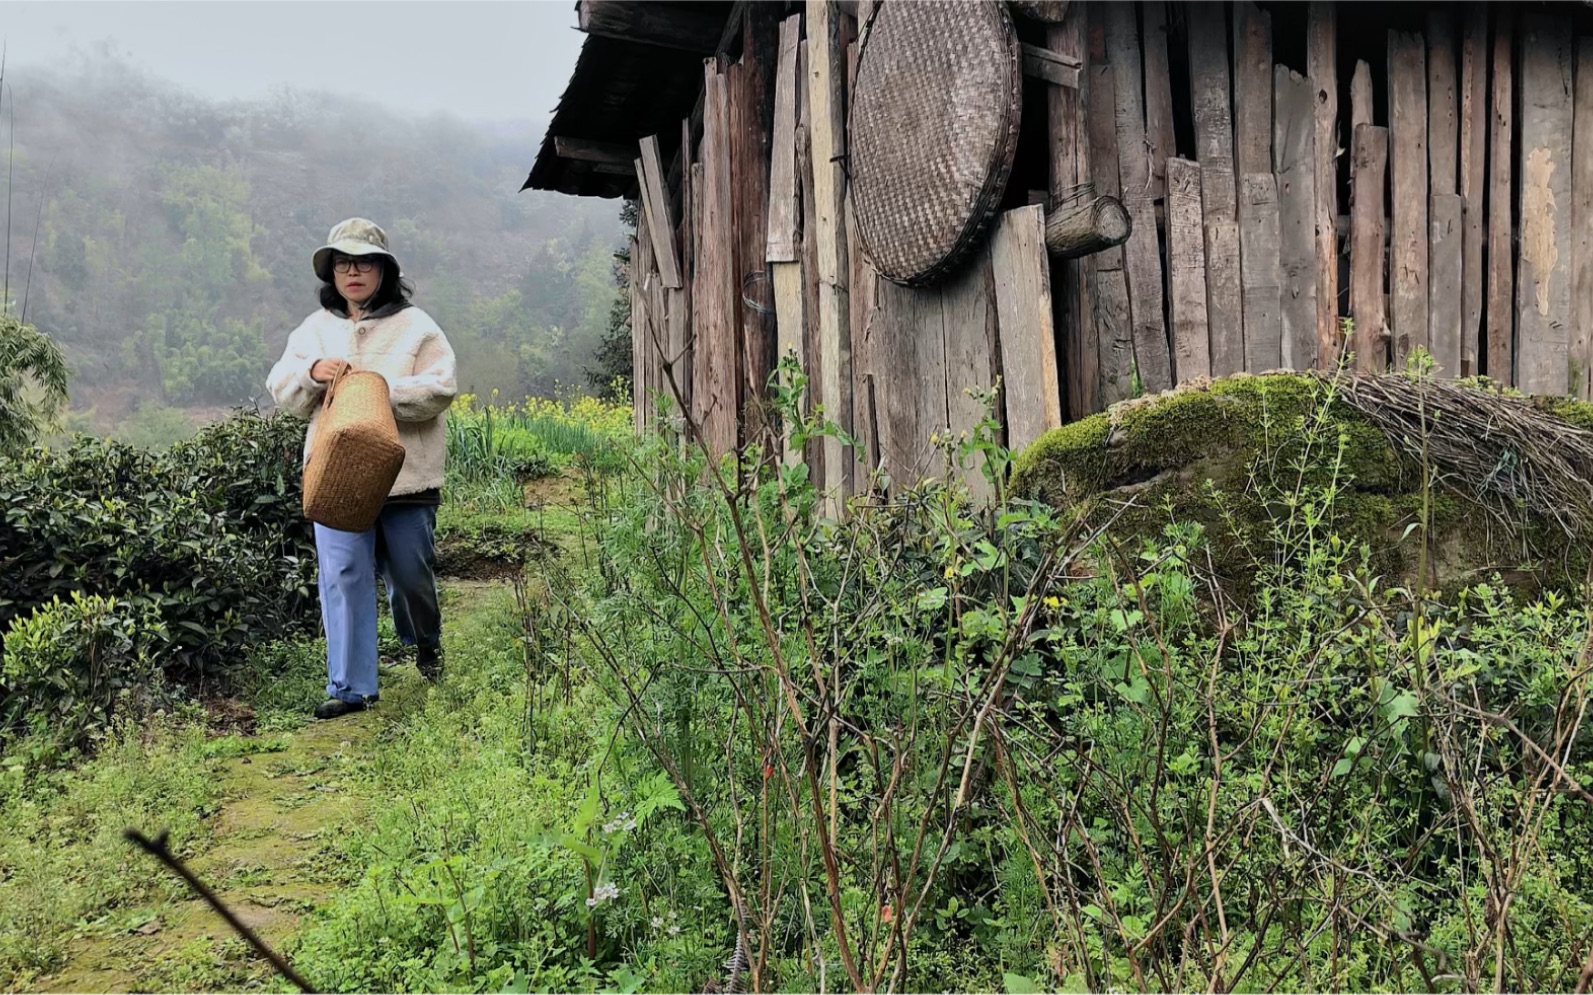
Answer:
x=354 y=237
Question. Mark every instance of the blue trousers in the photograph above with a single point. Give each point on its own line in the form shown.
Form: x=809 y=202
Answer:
x=399 y=546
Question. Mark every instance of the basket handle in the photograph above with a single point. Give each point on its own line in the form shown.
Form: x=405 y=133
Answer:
x=331 y=388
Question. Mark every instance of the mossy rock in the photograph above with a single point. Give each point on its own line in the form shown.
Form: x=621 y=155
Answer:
x=1234 y=454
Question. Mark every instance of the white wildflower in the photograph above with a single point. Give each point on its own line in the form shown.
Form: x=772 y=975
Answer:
x=623 y=822
x=658 y=922
x=674 y=931
x=605 y=892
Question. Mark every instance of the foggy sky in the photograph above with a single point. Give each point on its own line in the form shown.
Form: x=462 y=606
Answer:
x=483 y=61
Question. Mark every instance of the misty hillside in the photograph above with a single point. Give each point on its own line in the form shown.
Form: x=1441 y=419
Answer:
x=175 y=233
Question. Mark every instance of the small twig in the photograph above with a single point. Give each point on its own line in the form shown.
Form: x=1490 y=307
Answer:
x=157 y=848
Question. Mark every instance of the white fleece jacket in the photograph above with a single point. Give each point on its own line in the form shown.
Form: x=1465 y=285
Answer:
x=409 y=350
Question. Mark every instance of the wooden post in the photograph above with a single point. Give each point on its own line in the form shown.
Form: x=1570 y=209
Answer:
x=1208 y=85
x=968 y=316
x=655 y=203
x=909 y=346
x=814 y=360
x=681 y=334
x=1296 y=160
x=1501 y=271
x=1445 y=234
x=1445 y=301
x=1473 y=142
x=1258 y=198
x=1109 y=284
x=1443 y=125
x=1028 y=345
x=1360 y=96
x=1075 y=328
x=826 y=69
x=1186 y=264
x=1159 y=144
x=714 y=294
x=1369 y=161
x=1543 y=276
x=780 y=240
x=1141 y=253
x=1322 y=68
x=1582 y=225
x=1252 y=88
x=1259 y=271
x=638 y=358
x=783 y=245
x=1407 y=135
x=861 y=278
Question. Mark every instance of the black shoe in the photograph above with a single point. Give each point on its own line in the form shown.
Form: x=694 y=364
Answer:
x=429 y=661
x=333 y=708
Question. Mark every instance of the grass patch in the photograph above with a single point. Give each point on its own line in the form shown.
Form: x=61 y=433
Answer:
x=63 y=862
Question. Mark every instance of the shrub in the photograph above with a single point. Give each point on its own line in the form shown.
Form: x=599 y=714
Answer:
x=206 y=538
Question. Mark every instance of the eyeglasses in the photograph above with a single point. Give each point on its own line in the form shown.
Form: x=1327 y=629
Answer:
x=348 y=265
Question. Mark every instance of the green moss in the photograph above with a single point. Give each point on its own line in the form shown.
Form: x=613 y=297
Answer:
x=1228 y=453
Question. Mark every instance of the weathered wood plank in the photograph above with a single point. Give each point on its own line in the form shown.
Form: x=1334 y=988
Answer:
x=1107 y=283
x=1027 y=340
x=749 y=177
x=1252 y=89
x=1360 y=96
x=1068 y=168
x=1501 y=163
x=781 y=240
x=1443 y=122
x=678 y=371
x=909 y=340
x=638 y=376
x=969 y=317
x=1260 y=272
x=660 y=221
x=1159 y=141
x=826 y=69
x=1116 y=335
x=717 y=360
x=1543 y=275
x=1208 y=85
x=1052 y=67
x=1445 y=217
x=1322 y=68
x=1582 y=224
x=787 y=279
x=861 y=297
x=1186 y=265
x=1407 y=135
x=1295 y=165
x=1142 y=252
x=1473 y=145
x=1368 y=164
x=643 y=317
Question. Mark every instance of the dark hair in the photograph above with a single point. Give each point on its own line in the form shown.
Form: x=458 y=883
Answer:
x=392 y=294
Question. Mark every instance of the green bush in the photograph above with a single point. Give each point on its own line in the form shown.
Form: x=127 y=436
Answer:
x=63 y=667
x=207 y=538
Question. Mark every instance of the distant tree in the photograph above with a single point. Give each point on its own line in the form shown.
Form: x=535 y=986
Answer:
x=33 y=382
x=611 y=360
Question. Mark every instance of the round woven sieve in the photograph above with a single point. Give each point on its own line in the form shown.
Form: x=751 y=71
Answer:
x=934 y=125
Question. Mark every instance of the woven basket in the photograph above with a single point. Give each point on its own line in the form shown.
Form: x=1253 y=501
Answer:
x=934 y=126
x=355 y=454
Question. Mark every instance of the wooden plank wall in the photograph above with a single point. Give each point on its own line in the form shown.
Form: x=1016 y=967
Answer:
x=1465 y=151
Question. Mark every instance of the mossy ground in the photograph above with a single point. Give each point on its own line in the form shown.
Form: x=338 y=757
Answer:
x=1231 y=454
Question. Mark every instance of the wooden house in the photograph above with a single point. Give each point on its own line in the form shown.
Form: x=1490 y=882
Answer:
x=876 y=187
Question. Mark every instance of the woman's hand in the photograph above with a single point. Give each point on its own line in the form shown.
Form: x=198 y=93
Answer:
x=327 y=370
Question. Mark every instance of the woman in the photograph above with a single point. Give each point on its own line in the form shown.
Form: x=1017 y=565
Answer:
x=366 y=322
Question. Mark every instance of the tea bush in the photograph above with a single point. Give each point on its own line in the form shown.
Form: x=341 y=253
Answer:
x=203 y=549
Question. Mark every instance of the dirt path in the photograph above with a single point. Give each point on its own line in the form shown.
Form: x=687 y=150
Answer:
x=270 y=853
